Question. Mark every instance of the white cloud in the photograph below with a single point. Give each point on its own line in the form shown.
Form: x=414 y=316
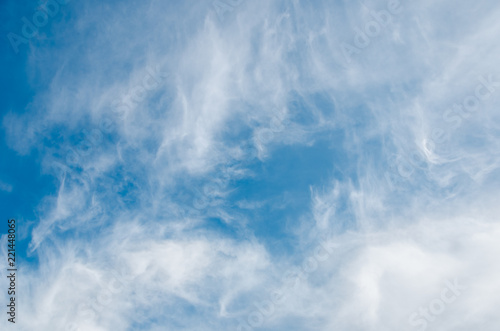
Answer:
x=407 y=215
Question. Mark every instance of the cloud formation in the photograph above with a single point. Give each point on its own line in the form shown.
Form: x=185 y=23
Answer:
x=272 y=165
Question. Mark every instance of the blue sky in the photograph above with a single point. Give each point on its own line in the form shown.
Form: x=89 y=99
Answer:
x=252 y=165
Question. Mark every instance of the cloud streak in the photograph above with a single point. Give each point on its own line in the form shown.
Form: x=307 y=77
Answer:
x=165 y=125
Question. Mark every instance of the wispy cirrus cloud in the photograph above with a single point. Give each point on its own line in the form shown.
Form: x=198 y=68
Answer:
x=200 y=163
